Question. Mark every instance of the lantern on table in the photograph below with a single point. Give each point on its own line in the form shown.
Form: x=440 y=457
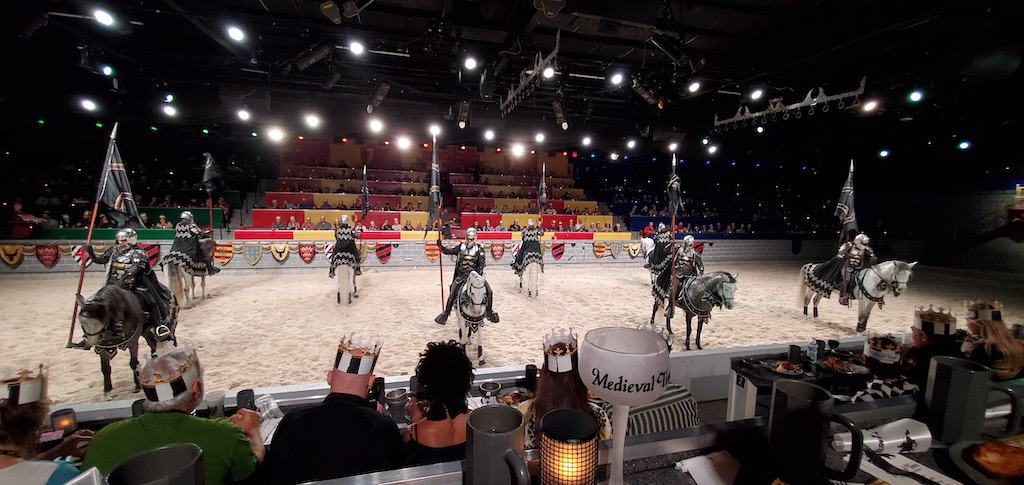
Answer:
x=568 y=448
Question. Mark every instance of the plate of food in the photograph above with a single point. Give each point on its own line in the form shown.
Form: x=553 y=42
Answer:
x=784 y=367
x=513 y=396
x=840 y=366
x=989 y=462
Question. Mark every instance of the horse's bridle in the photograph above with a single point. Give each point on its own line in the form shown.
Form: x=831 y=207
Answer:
x=892 y=283
x=483 y=287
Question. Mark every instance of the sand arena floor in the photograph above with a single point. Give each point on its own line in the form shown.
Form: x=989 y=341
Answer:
x=266 y=328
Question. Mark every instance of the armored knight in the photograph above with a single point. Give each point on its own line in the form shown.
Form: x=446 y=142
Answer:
x=120 y=245
x=529 y=252
x=853 y=256
x=188 y=250
x=470 y=256
x=688 y=263
x=662 y=253
x=345 y=250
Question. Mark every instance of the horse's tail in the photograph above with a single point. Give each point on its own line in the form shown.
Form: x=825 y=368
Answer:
x=801 y=292
x=177 y=281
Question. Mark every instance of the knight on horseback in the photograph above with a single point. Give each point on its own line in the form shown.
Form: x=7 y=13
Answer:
x=470 y=257
x=529 y=252
x=345 y=250
x=688 y=264
x=187 y=250
x=660 y=257
x=841 y=270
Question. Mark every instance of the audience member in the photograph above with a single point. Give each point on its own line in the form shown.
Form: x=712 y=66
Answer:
x=994 y=347
x=105 y=222
x=439 y=410
x=308 y=224
x=142 y=217
x=173 y=386
x=293 y=224
x=515 y=226
x=882 y=357
x=163 y=223
x=65 y=221
x=386 y=225
x=934 y=334
x=373 y=225
x=323 y=224
x=648 y=230
x=345 y=434
x=407 y=226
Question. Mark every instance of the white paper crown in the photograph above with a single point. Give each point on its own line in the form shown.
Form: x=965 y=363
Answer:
x=357 y=355
x=159 y=387
x=934 y=322
x=559 y=350
x=983 y=310
x=22 y=387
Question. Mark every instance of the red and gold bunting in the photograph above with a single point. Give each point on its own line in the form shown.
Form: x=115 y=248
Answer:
x=223 y=252
x=48 y=254
x=12 y=254
x=633 y=249
x=431 y=250
x=557 y=249
x=307 y=251
x=599 y=249
x=153 y=251
x=383 y=251
x=279 y=251
x=78 y=252
x=497 y=251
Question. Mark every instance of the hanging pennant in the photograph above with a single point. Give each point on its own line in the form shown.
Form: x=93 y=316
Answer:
x=223 y=252
x=48 y=254
x=431 y=250
x=557 y=249
x=383 y=252
x=12 y=255
x=152 y=251
x=497 y=251
x=252 y=252
x=307 y=251
x=279 y=251
x=79 y=253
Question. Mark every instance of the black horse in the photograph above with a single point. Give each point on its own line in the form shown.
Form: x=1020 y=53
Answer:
x=698 y=295
x=113 y=319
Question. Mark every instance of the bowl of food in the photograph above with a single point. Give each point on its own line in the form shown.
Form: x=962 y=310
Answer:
x=839 y=366
x=513 y=396
x=784 y=367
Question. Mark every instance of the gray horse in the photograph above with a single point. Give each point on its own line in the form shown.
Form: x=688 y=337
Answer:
x=112 y=320
x=697 y=296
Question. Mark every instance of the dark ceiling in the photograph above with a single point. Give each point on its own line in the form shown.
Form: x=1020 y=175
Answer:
x=962 y=52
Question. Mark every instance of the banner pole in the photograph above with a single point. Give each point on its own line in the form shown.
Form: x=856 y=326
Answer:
x=672 y=274
x=81 y=272
x=439 y=219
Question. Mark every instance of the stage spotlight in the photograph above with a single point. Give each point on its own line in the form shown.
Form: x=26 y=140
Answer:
x=489 y=135
x=712 y=149
x=376 y=125
x=435 y=130
x=883 y=153
x=275 y=134
x=631 y=144
x=585 y=141
x=672 y=146
x=170 y=110
x=915 y=96
x=518 y=149
x=645 y=93
x=107 y=70
x=964 y=145
x=103 y=17
x=379 y=93
x=236 y=33
x=469 y=63
x=759 y=130
x=870 y=106
x=539 y=137
x=403 y=142
x=616 y=78
x=243 y=114
x=613 y=155
x=88 y=104
x=463 y=114
x=560 y=119
x=254 y=134
x=356 y=48
x=548 y=72
x=312 y=120
x=693 y=87
x=704 y=141
x=756 y=94
x=168 y=98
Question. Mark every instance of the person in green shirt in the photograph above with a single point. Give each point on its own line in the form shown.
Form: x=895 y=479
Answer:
x=173 y=384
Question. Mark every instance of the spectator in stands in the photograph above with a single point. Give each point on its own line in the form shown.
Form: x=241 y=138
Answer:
x=21 y=421
x=561 y=228
x=408 y=207
x=278 y=224
x=225 y=207
x=289 y=205
x=515 y=226
x=386 y=225
x=65 y=221
x=487 y=225
x=607 y=227
x=105 y=222
x=407 y=226
x=439 y=410
x=293 y=224
x=84 y=221
x=419 y=226
x=500 y=227
x=373 y=226
x=142 y=217
x=341 y=206
x=323 y=224
x=343 y=435
x=995 y=347
x=648 y=230
x=618 y=227
x=325 y=205
x=231 y=447
x=578 y=227
x=307 y=224
x=394 y=224
x=162 y=223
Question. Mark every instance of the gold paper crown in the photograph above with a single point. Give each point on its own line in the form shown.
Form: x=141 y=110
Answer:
x=559 y=350
x=357 y=355
x=983 y=310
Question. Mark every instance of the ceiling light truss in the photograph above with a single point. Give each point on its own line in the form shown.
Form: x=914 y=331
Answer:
x=529 y=79
x=776 y=109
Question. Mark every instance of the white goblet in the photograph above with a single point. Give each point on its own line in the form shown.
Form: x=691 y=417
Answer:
x=626 y=367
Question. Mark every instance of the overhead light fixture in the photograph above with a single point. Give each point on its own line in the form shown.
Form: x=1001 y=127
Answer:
x=672 y=146
x=376 y=125
x=88 y=104
x=489 y=135
x=644 y=92
x=539 y=137
x=469 y=63
x=756 y=94
x=236 y=33
x=548 y=72
x=379 y=93
x=243 y=114
x=312 y=120
x=883 y=153
x=693 y=87
x=170 y=110
x=704 y=141
x=915 y=96
x=275 y=134
x=107 y=70
x=759 y=130
x=870 y=106
x=403 y=142
x=963 y=145
x=613 y=155
x=586 y=141
x=168 y=98
x=330 y=10
x=313 y=56
x=631 y=144
x=518 y=149
x=435 y=130
x=616 y=78
x=559 y=110
x=712 y=149
x=356 y=48
x=463 y=114
x=103 y=17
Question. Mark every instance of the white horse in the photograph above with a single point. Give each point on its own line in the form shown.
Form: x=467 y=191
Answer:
x=346 y=282
x=870 y=286
x=471 y=310
x=183 y=284
x=531 y=276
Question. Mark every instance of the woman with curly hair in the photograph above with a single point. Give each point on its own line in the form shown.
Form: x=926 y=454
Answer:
x=439 y=409
x=996 y=348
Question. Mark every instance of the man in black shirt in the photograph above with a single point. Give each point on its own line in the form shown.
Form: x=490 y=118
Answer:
x=345 y=435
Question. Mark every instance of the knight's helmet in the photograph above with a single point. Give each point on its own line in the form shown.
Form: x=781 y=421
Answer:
x=688 y=241
x=529 y=222
x=862 y=240
x=121 y=237
x=187 y=216
x=471 y=234
x=344 y=219
x=130 y=236
x=661 y=227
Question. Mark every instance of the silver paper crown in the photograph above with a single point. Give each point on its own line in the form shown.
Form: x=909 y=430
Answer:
x=22 y=387
x=557 y=359
x=357 y=355
x=983 y=310
x=934 y=321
